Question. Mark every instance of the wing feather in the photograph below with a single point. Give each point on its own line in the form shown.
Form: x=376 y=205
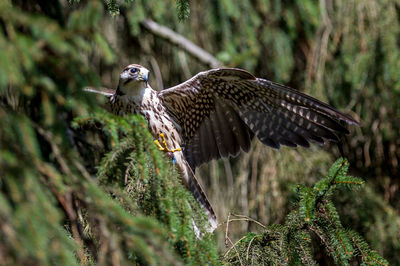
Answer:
x=220 y=134
x=219 y=111
x=103 y=91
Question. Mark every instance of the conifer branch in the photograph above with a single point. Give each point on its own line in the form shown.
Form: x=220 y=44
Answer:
x=151 y=183
x=319 y=216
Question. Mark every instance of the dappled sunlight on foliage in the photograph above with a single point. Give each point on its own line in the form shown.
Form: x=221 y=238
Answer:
x=81 y=186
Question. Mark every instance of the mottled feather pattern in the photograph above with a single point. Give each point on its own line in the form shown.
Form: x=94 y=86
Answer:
x=149 y=105
x=217 y=112
x=123 y=105
x=276 y=114
x=221 y=134
x=300 y=99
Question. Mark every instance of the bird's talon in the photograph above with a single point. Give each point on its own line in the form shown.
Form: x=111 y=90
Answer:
x=163 y=145
x=158 y=145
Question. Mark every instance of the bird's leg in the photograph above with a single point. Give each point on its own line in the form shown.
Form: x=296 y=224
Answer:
x=163 y=145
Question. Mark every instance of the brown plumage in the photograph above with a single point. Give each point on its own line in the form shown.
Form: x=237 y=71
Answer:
x=216 y=113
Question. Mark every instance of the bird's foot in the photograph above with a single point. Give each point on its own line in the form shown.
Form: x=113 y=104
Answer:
x=163 y=145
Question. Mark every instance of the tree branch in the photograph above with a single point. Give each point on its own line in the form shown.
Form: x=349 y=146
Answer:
x=180 y=41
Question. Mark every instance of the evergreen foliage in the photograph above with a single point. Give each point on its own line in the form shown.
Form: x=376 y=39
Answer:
x=315 y=219
x=182 y=7
x=135 y=171
x=51 y=210
x=56 y=207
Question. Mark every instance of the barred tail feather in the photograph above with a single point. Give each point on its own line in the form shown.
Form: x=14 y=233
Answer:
x=201 y=198
x=191 y=182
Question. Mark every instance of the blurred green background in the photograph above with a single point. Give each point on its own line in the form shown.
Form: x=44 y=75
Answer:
x=346 y=53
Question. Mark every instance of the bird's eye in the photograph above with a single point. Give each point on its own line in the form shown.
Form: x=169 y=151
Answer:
x=133 y=70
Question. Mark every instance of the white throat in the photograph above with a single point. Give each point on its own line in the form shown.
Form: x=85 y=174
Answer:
x=134 y=89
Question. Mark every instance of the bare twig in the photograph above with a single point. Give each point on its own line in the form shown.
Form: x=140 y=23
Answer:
x=180 y=41
x=230 y=249
x=227 y=229
x=234 y=220
x=227 y=239
x=246 y=218
x=237 y=252
x=248 y=248
x=230 y=241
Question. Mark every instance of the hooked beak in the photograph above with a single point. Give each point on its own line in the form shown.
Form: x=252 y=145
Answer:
x=146 y=78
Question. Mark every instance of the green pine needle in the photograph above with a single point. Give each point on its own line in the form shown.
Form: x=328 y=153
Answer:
x=315 y=215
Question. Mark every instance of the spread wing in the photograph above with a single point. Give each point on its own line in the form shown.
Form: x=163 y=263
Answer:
x=219 y=110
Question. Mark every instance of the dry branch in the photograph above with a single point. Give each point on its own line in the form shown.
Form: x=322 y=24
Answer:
x=180 y=41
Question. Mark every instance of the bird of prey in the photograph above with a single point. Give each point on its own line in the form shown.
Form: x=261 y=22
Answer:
x=217 y=112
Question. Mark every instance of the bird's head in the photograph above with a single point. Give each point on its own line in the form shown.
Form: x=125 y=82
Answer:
x=133 y=79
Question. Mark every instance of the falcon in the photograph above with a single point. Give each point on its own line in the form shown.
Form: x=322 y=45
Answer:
x=217 y=112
